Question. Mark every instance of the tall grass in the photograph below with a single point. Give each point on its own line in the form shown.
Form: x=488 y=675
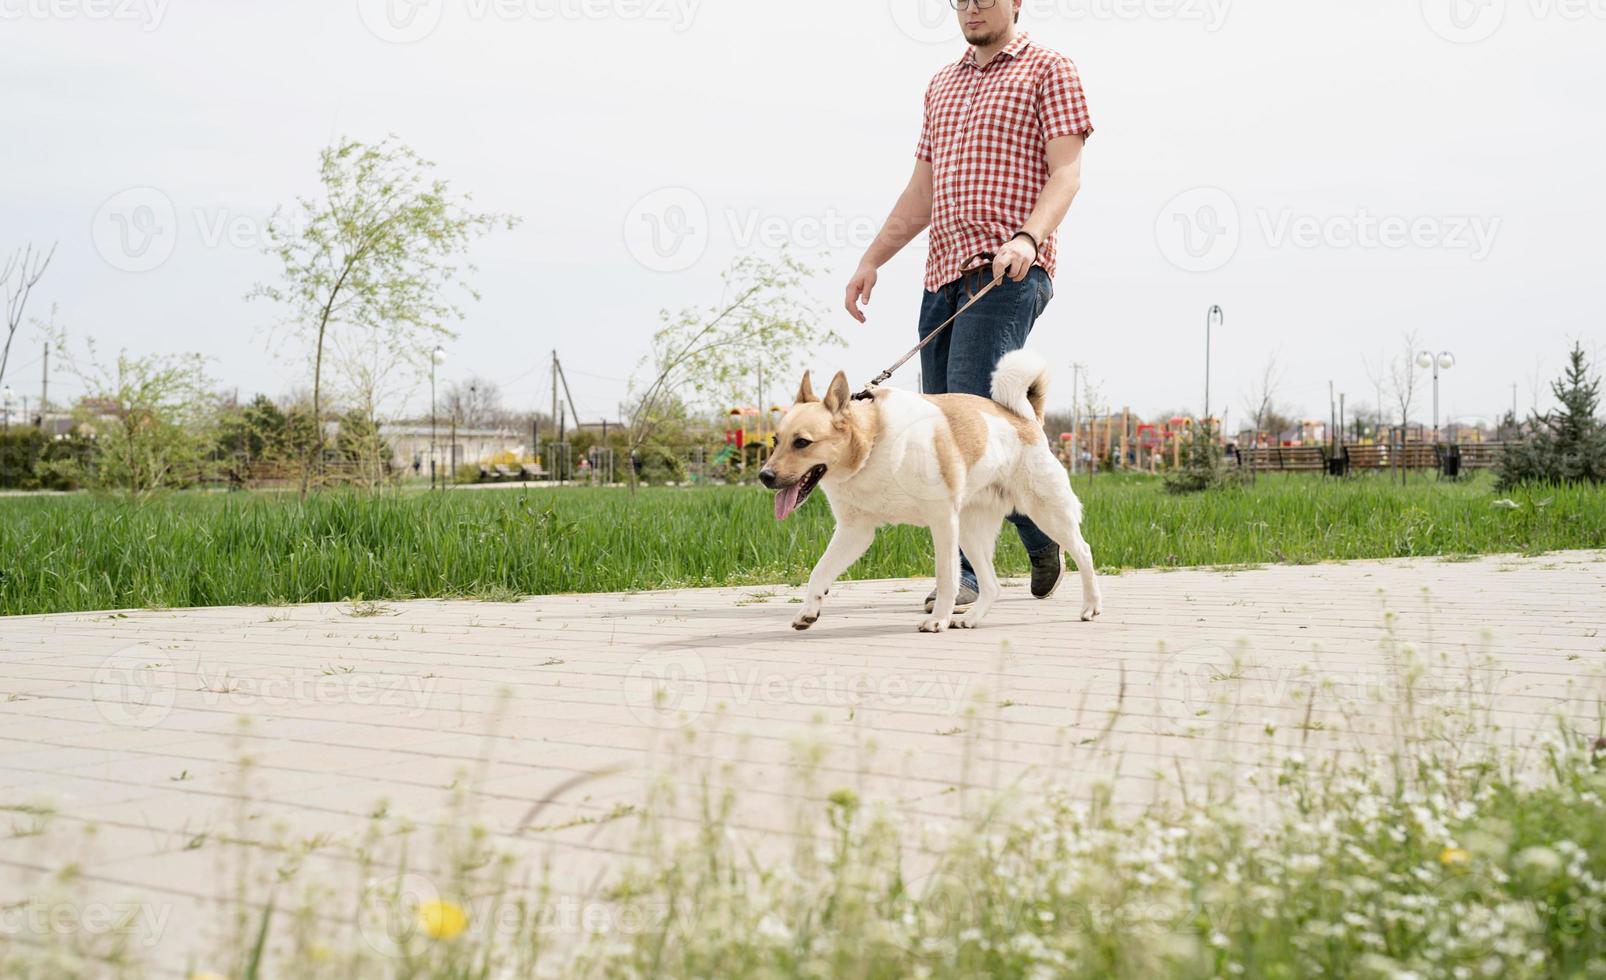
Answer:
x=82 y=553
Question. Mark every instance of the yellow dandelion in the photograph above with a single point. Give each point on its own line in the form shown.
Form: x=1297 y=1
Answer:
x=1454 y=855
x=442 y=920
x=206 y=975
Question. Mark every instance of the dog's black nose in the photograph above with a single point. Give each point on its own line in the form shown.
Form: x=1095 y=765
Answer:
x=767 y=477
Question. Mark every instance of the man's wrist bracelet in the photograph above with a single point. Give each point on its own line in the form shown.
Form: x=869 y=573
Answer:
x=1036 y=248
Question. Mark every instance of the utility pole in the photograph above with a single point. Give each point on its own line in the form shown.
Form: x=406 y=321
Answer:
x=555 y=396
x=44 y=389
x=1076 y=416
x=435 y=357
x=1212 y=318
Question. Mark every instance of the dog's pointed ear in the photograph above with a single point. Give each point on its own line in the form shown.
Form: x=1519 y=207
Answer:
x=837 y=397
x=805 y=391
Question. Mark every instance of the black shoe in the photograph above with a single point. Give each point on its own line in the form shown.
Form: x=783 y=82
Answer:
x=962 y=599
x=1048 y=570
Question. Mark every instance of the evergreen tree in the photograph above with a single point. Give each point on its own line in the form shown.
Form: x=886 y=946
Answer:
x=253 y=431
x=1203 y=466
x=1567 y=445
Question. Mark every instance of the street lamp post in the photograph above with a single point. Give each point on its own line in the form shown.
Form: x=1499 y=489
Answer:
x=1212 y=319
x=435 y=357
x=1444 y=360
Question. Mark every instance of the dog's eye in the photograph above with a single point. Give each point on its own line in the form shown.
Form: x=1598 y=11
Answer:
x=801 y=443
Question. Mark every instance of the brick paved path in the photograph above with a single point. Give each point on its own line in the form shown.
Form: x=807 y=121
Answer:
x=131 y=724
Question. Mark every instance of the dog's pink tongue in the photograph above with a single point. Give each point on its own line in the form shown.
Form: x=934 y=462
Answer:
x=786 y=501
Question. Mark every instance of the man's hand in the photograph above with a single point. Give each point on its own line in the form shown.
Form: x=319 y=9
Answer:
x=859 y=286
x=1014 y=259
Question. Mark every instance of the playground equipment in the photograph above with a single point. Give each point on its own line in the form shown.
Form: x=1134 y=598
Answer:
x=749 y=445
x=1123 y=441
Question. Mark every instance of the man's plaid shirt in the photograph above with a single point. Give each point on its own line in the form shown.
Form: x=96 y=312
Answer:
x=986 y=132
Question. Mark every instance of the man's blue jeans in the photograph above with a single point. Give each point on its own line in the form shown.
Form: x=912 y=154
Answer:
x=962 y=359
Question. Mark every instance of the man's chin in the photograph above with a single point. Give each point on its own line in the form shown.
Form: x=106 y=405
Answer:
x=982 y=39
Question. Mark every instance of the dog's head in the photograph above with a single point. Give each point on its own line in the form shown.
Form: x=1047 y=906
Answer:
x=816 y=436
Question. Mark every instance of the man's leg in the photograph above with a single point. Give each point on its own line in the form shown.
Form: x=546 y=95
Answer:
x=1000 y=323
x=934 y=311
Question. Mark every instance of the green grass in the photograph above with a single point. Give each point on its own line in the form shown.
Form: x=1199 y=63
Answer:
x=82 y=553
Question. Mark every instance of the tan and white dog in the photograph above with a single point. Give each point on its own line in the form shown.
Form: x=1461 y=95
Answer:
x=957 y=464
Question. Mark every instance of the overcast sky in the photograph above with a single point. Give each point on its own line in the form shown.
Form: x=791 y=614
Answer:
x=1331 y=174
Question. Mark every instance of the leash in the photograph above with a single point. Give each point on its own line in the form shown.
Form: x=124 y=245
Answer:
x=869 y=389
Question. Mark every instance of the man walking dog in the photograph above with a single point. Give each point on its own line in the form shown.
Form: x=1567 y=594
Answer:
x=998 y=164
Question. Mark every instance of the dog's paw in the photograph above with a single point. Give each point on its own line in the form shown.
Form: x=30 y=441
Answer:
x=968 y=621
x=933 y=625
x=805 y=620
x=1091 y=609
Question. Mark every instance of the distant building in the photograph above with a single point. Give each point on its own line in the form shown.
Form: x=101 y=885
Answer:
x=410 y=444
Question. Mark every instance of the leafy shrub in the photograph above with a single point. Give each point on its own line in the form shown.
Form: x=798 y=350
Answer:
x=30 y=460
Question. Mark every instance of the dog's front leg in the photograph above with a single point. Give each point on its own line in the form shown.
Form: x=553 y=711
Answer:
x=848 y=543
x=945 y=541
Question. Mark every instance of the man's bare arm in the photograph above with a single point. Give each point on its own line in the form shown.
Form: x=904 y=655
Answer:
x=909 y=217
x=1064 y=155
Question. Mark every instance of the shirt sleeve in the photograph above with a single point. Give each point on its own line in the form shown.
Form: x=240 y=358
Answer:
x=923 y=148
x=1062 y=108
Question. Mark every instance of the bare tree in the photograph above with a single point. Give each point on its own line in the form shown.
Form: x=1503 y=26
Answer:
x=1404 y=376
x=1404 y=379
x=1377 y=372
x=1090 y=406
x=21 y=272
x=475 y=402
x=1261 y=402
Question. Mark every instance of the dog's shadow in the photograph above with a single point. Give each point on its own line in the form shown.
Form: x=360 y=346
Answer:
x=779 y=630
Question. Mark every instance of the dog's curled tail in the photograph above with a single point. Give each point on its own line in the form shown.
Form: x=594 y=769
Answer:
x=1020 y=383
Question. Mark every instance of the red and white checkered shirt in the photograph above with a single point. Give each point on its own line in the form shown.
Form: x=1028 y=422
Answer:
x=986 y=134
